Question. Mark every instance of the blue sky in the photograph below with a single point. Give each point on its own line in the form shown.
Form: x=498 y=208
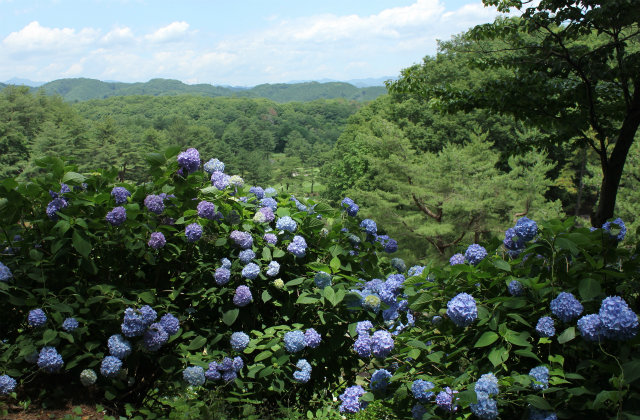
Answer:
x=240 y=42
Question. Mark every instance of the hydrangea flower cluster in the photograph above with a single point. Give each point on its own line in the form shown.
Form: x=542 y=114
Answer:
x=117 y=216
x=220 y=180
x=369 y=226
x=273 y=269
x=312 y=338
x=207 y=210
x=136 y=321
x=157 y=240
x=444 y=400
x=535 y=414
x=88 y=377
x=515 y=288
x=50 y=360
x=590 y=327
x=246 y=255
x=475 y=253
x=55 y=206
x=526 y=229
x=243 y=240
x=264 y=215
x=120 y=194
x=380 y=380
x=155 y=337
x=294 y=341
x=194 y=375
x=351 y=399
x=189 y=160
x=269 y=203
x=540 y=377
x=421 y=390
x=5 y=273
x=193 y=232
x=303 y=374
x=416 y=270
x=351 y=207
x=154 y=203
x=257 y=191
x=456 y=259
x=418 y=411
x=119 y=346
x=298 y=246
x=7 y=384
x=322 y=279
x=462 y=310
x=170 y=324
x=619 y=322
x=37 y=318
x=566 y=307
x=389 y=245
x=239 y=341
x=486 y=408
x=616 y=224
x=251 y=270
x=545 y=327
x=222 y=276
x=286 y=223
x=242 y=296
x=227 y=369
x=70 y=324
x=213 y=165
x=270 y=238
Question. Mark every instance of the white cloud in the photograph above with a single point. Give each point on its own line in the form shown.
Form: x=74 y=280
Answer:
x=118 y=35
x=35 y=37
x=175 y=31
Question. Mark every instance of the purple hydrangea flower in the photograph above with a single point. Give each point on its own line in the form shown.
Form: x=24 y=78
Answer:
x=566 y=307
x=155 y=337
x=456 y=259
x=37 y=318
x=222 y=276
x=351 y=400
x=207 y=210
x=418 y=411
x=242 y=239
x=591 y=328
x=421 y=390
x=444 y=400
x=620 y=323
x=388 y=245
x=545 y=327
x=70 y=324
x=220 y=180
x=170 y=324
x=242 y=297
x=120 y=194
x=381 y=343
x=363 y=327
x=362 y=345
x=239 y=341
x=294 y=341
x=512 y=241
x=157 y=240
x=380 y=380
x=488 y=384
x=54 y=206
x=193 y=232
x=475 y=253
x=136 y=321
x=264 y=215
x=226 y=263
x=50 y=360
x=416 y=270
x=462 y=310
x=154 y=203
x=312 y=338
x=485 y=408
x=257 y=191
x=298 y=246
x=119 y=346
x=189 y=160
x=270 y=203
x=251 y=271
x=117 y=216
x=270 y=238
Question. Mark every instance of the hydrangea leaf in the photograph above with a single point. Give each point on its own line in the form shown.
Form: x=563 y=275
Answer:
x=230 y=316
x=567 y=335
x=539 y=402
x=486 y=339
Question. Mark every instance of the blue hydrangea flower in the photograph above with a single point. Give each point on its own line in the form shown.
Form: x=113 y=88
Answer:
x=591 y=328
x=193 y=232
x=213 y=165
x=243 y=240
x=399 y=264
x=226 y=263
x=421 y=390
x=257 y=191
x=488 y=384
x=117 y=216
x=322 y=279
x=545 y=327
x=566 y=307
x=444 y=400
x=416 y=270
x=229 y=375
x=239 y=341
x=462 y=310
x=49 y=360
x=238 y=364
x=526 y=229
x=312 y=338
x=154 y=203
x=294 y=341
x=5 y=273
x=616 y=224
x=475 y=253
x=304 y=373
x=242 y=297
x=222 y=276
x=418 y=411
x=362 y=345
x=55 y=206
x=170 y=324
x=486 y=408
x=540 y=377
x=207 y=210
x=270 y=203
x=64 y=188
x=351 y=399
x=513 y=242
x=212 y=373
x=136 y=321
x=251 y=271
x=298 y=246
x=220 y=180
x=515 y=288
x=273 y=269
x=363 y=327
x=380 y=380
x=535 y=414
x=270 y=192
x=381 y=343
x=37 y=318
x=110 y=366
x=189 y=160
x=155 y=337
x=620 y=323
x=246 y=255
x=456 y=259
x=120 y=194
x=7 y=384
x=88 y=377
x=286 y=223
x=148 y=315
x=194 y=375
x=369 y=226
x=157 y=240
x=270 y=238
x=118 y=346
x=70 y=324
x=388 y=245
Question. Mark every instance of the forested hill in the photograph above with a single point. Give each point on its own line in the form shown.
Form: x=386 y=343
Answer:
x=74 y=90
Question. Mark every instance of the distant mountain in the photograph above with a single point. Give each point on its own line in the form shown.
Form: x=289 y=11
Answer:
x=73 y=90
x=370 y=81
x=2 y=86
x=25 y=82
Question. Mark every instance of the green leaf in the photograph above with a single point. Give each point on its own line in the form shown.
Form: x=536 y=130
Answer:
x=306 y=300
x=277 y=253
x=263 y=355
x=486 y=339
x=519 y=339
x=147 y=297
x=527 y=353
x=502 y=265
x=329 y=294
x=73 y=178
x=266 y=296
x=295 y=282
x=49 y=336
x=564 y=243
x=631 y=371
x=498 y=356
x=230 y=316
x=539 y=402
x=367 y=396
x=266 y=254
x=82 y=245
x=567 y=335
x=335 y=264
x=589 y=288
x=197 y=343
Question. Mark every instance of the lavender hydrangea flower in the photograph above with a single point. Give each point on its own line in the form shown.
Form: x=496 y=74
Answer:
x=362 y=345
x=70 y=324
x=526 y=229
x=273 y=269
x=193 y=232
x=380 y=380
x=157 y=240
x=545 y=327
x=322 y=279
x=170 y=324
x=88 y=377
x=251 y=271
x=5 y=273
x=7 y=384
x=220 y=180
x=381 y=344
x=50 y=360
x=513 y=242
x=351 y=399
x=207 y=210
x=242 y=239
x=148 y=315
x=155 y=337
x=118 y=346
x=242 y=297
x=566 y=307
x=246 y=255
x=189 y=160
x=264 y=215
x=194 y=375
x=591 y=328
x=620 y=323
x=286 y=223
x=312 y=338
x=540 y=377
x=213 y=165
x=294 y=341
x=363 y=327
x=54 y=206
x=421 y=390
x=269 y=203
x=369 y=226
x=303 y=374
x=475 y=253
x=298 y=246
x=120 y=194
x=37 y=318
x=117 y=216
x=222 y=276
x=619 y=224
x=444 y=400
x=456 y=259
x=239 y=341
x=515 y=288
x=270 y=238
x=462 y=310
x=154 y=203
